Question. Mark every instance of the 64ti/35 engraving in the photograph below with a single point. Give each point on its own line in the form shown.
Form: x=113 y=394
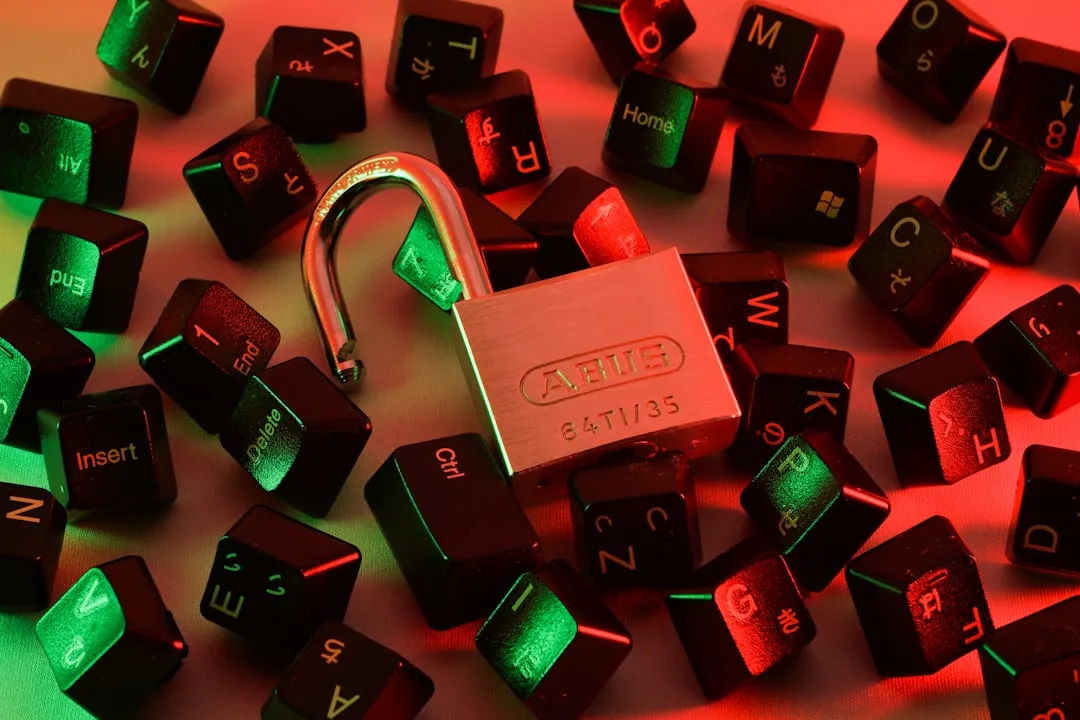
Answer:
x=619 y=417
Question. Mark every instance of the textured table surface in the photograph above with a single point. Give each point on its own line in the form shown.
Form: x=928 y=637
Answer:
x=415 y=389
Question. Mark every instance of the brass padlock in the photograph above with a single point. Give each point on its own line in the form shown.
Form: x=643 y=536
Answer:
x=568 y=369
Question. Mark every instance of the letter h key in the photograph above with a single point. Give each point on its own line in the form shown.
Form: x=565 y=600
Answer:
x=567 y=369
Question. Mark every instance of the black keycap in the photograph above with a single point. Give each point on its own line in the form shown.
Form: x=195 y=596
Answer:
x=742 y=295
x=817 y=504
x=110 y=639
x=458 y=534
x=275 y=580
x=81 y=266
x=203 y=349
x=1042 y=534
x=665 y=128
x=920 y=599
x=252 y=186
x=741 y=616
x=785 y=390
x=942 y=416
x=635 y=521
x=297 y=434
x=1034 y=100
x=1029 y=667
x=554 y=642
x=109 y=450
x=488 y=134
x=626 y=32
x=1035 y=351
x=509 y=251
x=937 y=52
x=801 y=185
x=311 y=83
x=161 y=49
x=919 y=268
x=343 y=674
x=32 y=527
x=65 y=144
x=41 y=365
x=1009 y=197
x=782 y=62
x=441 y=46
x=581 y=221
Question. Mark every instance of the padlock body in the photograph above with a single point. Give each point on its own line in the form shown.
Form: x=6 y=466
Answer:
x=572 y=368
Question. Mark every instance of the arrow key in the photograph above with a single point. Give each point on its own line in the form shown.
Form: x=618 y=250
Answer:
x=1037 y=96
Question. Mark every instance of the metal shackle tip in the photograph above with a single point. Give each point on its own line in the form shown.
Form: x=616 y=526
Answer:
x=318 y=253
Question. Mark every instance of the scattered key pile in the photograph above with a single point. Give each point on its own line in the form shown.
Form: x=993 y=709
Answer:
x=464 y=545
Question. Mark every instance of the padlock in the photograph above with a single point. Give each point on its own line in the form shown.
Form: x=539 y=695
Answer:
x=568 y=369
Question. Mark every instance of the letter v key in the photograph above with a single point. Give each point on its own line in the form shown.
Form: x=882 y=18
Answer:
x=90 y=604
x=339 y=704
x=136 y=8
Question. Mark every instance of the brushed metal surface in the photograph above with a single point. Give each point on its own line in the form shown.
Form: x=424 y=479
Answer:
x=550 y=367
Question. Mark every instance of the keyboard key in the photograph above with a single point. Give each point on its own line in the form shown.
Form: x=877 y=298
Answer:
x=459 y=536
x=920 y=599
x=626 y=32
x=742 y=616
x=801 y=186
x=785 y=390
x=311 y=83
x=110 y=639
x=937 y=52
x=743 y=296
x=275 y=580
x=488 y=135
x=1042 y=533
x=297 y=435
x=1035 y=351
x=341 y=673
x=32 y=527
x=581 y=221
x=1029 y=666
x=109 y=450
x=818 y=506
x=41 y=365
x=1034 y=100
x=81 y=266
x=441 y=46
x=160 y=49
x=509 y=251
x=65 y=144
x=203 y=349
x=942 y=416
x=665 y=128
x=252 y=187
x=554 y=642
x=1008 y=197
x=919 y=268
x=782 y=62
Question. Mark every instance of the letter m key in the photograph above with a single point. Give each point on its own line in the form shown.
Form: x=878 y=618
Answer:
x=758 y=33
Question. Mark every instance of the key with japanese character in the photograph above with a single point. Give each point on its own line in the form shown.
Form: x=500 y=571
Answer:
x=626 y=32
x=1034 y=100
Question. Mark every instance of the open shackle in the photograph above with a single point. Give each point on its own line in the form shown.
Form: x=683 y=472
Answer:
x=318 y=253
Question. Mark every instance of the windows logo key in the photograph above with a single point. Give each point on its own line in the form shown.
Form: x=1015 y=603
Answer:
x=829 y=204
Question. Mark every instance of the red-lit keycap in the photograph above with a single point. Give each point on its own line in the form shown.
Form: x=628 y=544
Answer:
x=920 y=268
x=741 y=615
x=32 y=527
x=742 y=295
x=1008 y=196
x=665 y=128
x=110 y=639
x=1034 y=100
x=581 y=221
x=488 y=135
x=1035 y=351
x=942 y=416
x=554 y=642
x=1043 y=533
x=275 y=580
x=782 y=62
x=626 y=32
x=920 y=599
x=203 y=349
